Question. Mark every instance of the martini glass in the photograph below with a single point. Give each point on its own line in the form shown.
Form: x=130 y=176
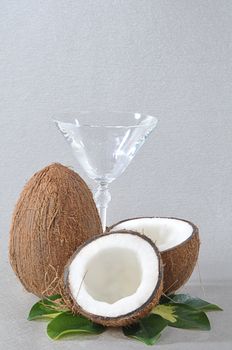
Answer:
x=104 y=149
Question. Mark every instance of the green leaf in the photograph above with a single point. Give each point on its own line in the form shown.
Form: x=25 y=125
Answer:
x=189 y=318
x=147 y=330
x=165 y=311
x=165 y=299
x=183 y=316
x=196 y=303
x=67 y=323
x=45 y=308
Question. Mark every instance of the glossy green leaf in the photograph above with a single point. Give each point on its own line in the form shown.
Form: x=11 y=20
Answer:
x=189 y=318
x=165 y=311
x=66 y=324
x=196 y=303
x=147 y=330
x=45 y=308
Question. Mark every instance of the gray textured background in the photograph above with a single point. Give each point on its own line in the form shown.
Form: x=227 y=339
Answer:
x=169 y=58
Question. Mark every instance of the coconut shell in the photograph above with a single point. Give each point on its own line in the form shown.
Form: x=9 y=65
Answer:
x=54 y=215
x=126 y=319
x=179 y=261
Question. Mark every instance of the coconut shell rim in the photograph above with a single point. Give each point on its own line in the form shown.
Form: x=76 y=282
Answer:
x=194 y=227
x=135 y=311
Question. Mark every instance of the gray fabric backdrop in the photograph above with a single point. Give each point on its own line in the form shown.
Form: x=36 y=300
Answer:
x=169 y=58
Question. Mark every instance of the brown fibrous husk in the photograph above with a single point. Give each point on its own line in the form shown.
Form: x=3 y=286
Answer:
x=179 y=261
x=54 y=215
x=123 y=320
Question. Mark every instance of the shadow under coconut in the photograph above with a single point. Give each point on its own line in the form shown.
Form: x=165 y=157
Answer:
x=112 y=339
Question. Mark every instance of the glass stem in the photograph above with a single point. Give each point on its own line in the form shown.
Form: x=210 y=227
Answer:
x=102 y=198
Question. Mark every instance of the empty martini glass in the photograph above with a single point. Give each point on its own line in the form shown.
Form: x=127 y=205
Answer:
x=104 y=143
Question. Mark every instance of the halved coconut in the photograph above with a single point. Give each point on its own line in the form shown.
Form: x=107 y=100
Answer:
x=177 y=240
x=115 y=278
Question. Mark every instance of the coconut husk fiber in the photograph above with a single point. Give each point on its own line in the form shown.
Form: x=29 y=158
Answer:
x=54 y=215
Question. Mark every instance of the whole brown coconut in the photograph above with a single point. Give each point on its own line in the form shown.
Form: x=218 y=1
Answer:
x=178 y=259
x=54 y=215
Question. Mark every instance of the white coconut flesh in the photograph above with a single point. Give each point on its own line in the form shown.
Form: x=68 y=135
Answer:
x=114 y=275
x=166 y=233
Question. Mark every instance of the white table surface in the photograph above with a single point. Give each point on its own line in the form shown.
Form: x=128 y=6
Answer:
x=18 y=333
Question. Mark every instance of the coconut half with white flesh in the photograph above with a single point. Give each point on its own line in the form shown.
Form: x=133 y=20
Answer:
x=115 y=278
x=178 y=242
